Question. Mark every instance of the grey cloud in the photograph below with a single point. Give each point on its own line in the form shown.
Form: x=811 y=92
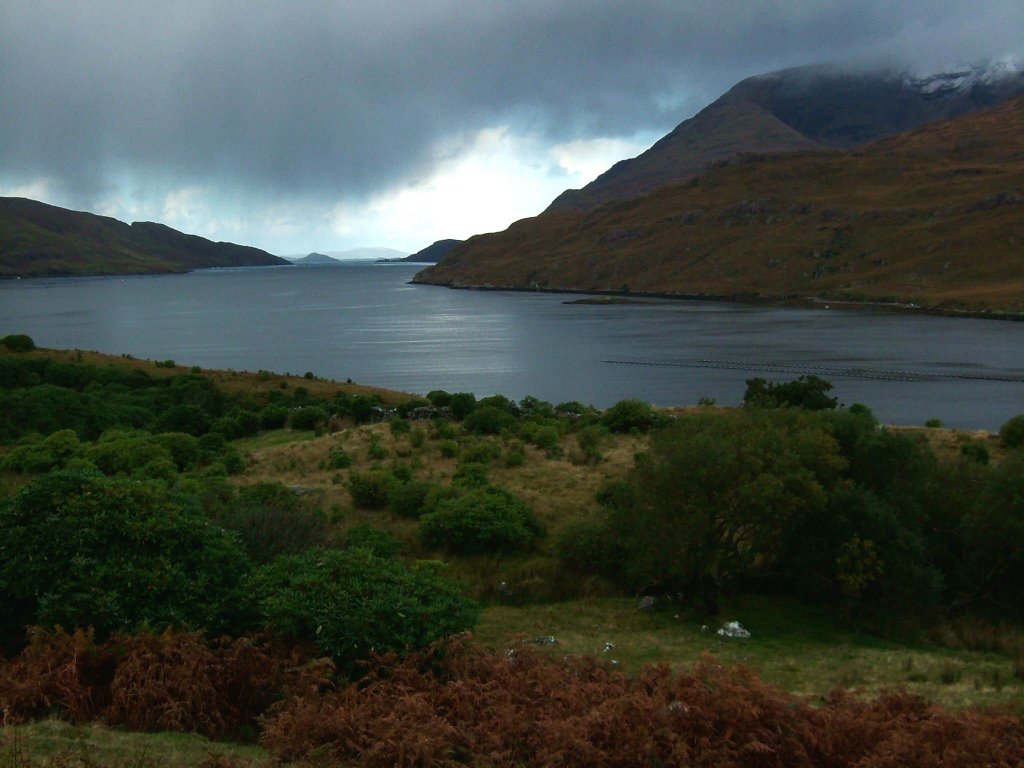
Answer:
x=350 y=97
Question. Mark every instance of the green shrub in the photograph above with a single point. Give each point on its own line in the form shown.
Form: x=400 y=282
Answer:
x=975 y=450
x=80 y=550
x=532 y=406
x=461 y=404
x=807 y=392
x=1012 y=432
x=337 y=458
x=480 y=452
x=544 y=436
x=377 y=452
x=417 y=437
x=488 y=519
x=439 y=398
x=488 y=420
x=590 y=440
x=370 y=490
x=183 y=417
x=273 y=417
x=408 y=499
x=38 y=456
x=410 y=405
x=184 y=449
x=382 y=543
x=272 y=520
x=352 y=603
x=308 y=417
x=448 y=448
x=591 y=546
x=471 y=475
x=18 y=342
x=500 y=402
x=627 y=415
x=399 y=426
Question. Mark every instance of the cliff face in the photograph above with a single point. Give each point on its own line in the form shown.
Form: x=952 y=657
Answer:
x=932 y=217
x=798 y=109
x=37 y=240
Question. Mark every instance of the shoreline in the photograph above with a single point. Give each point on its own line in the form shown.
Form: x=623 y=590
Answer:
x=806 y=302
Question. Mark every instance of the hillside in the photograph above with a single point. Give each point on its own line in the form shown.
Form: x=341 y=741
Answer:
x=434 y=252
x=798 y=109
x=40 y=240
x=932 y=217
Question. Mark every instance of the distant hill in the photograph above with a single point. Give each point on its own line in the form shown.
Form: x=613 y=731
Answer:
x=433 y=253
x=368 y=253
x=314 y=259
x=932 y=217
x=38 y=240
x=794 y=110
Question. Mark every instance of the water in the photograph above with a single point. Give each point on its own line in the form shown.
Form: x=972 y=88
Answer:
x=365 y=322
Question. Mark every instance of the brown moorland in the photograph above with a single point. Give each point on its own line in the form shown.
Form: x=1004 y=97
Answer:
x=932 y=218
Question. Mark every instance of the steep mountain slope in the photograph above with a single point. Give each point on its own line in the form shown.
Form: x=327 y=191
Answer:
x=37 y=240
x=798 y=109
x=934 y=217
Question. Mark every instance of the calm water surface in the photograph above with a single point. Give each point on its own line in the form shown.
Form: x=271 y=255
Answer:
x=367 y=323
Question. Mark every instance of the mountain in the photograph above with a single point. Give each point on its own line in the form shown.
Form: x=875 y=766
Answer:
x=314 y=259
x=39 y=240
x=433 y=253
x=367 y=253
x=933 y=217
x=799 y=109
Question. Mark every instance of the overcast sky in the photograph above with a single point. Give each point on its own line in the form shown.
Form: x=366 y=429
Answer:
x=298 y=126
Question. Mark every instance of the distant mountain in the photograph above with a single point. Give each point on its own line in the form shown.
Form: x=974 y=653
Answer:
x=933 y=217
x=433 y=253
x=799 y=109
x=314 y=259
x=368 y=253
x=39 y=240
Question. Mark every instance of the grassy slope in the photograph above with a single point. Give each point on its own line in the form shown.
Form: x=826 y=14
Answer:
x=934 y=217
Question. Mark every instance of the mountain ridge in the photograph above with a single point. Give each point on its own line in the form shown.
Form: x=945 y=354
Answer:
x=823 y=106
x=42 y=240
x=933 y=217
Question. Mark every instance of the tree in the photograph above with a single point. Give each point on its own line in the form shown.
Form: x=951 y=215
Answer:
x=807 y=392
x=487 y=519
x=714 y=496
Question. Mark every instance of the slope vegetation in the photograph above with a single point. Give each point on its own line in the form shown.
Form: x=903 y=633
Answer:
x=38 y=240
x=934 y=217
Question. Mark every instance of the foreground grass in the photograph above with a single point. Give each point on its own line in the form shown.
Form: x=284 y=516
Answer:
x=792 y=646
x=56 y=743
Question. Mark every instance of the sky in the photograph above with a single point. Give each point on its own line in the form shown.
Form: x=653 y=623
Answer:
x=297 y=125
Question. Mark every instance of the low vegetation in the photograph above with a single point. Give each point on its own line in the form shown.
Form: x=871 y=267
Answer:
x=146 y=510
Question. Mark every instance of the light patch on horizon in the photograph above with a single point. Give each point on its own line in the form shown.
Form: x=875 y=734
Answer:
x=502 y=177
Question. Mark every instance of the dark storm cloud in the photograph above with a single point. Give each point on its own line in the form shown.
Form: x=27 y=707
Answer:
x=348 y=97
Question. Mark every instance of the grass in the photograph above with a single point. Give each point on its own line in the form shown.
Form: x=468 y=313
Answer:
x=56 y=743
x=793 y=646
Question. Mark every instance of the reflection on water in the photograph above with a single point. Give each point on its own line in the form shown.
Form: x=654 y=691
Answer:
x=366 y=323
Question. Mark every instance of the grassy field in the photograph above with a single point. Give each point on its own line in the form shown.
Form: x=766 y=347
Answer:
x=59 y=744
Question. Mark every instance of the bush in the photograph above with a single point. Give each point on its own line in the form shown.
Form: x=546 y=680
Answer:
x=590 y=440
x=382 y=543
x=352 y=603
x=399 y=426
x=439 y=398
x=407 y=499
x=370 y=490
x=337 y=458
x=1012 y=432
x=18 y=342
x=488 y=420
x=183 y=417
x=627 y=415
x=488 y=519
x=449 y=449
x=273 y=417
x=461 y=404
x=272 y=520
x=591 y=546
x=308 y=417
x=807 y=392
x=975 y=450
x=80 y=549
